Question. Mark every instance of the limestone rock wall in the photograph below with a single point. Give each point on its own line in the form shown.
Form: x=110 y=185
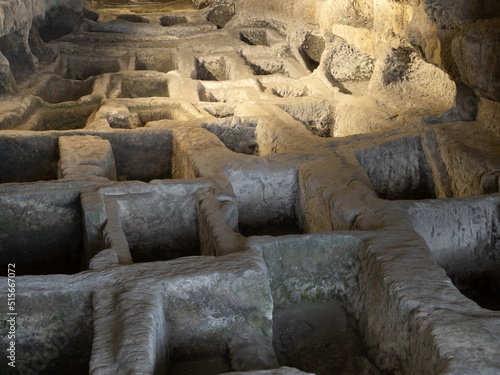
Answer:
x=420 y=57
x=21 y=24
x=15 y=54
x=415 y=48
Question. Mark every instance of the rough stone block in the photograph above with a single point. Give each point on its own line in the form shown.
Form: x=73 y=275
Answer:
x=347 y=63
x=475 y=52
x=488 y=113
x=482 y=160
x=86 y=157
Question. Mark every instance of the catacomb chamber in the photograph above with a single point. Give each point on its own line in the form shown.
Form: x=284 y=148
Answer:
x=212 y=186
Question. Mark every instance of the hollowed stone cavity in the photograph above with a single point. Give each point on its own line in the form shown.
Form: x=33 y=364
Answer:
x=212 y=69
x=255 y=37
x=266 y=199
x=160 y=223
x=398 y=169
x=237 y=134
x=41 y=231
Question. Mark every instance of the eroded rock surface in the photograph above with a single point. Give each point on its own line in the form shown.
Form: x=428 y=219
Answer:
x=245 y=187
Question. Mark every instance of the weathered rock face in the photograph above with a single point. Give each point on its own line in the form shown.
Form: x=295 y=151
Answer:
x=475 y=51
x=243 y=186
x=220 y=13
x=439 y=32
x=7 y=81
x=346 y=63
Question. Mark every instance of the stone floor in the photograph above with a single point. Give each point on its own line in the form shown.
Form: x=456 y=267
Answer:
x=175 y=200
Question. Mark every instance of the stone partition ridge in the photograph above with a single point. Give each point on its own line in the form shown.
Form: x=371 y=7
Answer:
x=86 y=157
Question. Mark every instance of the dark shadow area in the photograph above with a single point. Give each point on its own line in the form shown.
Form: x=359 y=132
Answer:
x=320 y=338
x=199 y=366
x=221 y=111
x=28 y=158
x=45 y=53
x=316 y=116
x=464 y=239
x=166 y=112
x=56 y=335
x=71 y=118
x=264 y=67
x=22 y=62
x=42 y=232
x=481 y=287
x=143 y=254
x=311 y=64
x=59 y=22
x=134 y=18
x=311 y=50
x=272 y=228
x=143 y=87
x=141 y=155
x=59 y=90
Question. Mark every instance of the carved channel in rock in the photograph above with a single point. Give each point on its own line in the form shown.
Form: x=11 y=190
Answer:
x=165 y=112
x=148 y=6
x=220 y=111
x=221 y=93
x=20 y=165
x=143 y=156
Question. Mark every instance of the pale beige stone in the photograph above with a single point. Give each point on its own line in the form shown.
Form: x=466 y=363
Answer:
x=86 y=157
